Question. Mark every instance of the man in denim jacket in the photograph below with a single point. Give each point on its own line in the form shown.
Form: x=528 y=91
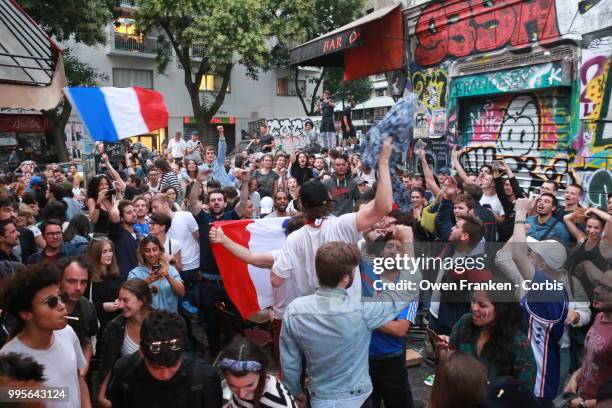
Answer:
x=332 y=330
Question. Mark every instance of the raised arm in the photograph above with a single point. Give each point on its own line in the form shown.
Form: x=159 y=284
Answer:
x=458 y=167
x=430 y=180
x=607 y=218
x=243 y=176
x=568 y=220
x=114 y=174
x=289 y=139
x=520 y=255
x=263 y=260
x=370 y=214
x=221 y=148
x=193 y=201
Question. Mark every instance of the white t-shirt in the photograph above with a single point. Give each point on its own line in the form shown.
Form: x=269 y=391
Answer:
x=195 y=155
x=177 y=148
x=61 y=362
x=296 y=263
x=494 y=202
x=171 y=246
x=182 y=229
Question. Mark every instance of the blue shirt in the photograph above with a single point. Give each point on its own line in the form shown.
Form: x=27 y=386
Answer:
x=142 y=229
x=218 y=166
x=165 y=298
x=538 y=231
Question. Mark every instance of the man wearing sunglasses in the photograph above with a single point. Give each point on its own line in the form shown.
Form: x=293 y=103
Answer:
x=165 y=372
x=34 y=297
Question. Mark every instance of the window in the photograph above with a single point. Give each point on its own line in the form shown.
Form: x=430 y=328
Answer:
x=123 y=78
x=358 y=114
x=212 y=83
x=286 y=87
x=380 y=92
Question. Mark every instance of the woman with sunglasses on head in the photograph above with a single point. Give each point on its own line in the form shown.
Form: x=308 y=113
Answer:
x=165 y=282
x=245 y=367
x=122 y=335
x=105 y=280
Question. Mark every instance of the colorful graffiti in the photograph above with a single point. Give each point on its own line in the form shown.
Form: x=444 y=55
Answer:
x=295 y=126
x=529 y=130
x=461 y=28
x=431 y=86
x=552 y=74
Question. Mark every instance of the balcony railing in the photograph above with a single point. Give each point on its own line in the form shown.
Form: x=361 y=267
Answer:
x=197 y=50
x=135 y=43
x=128 y=3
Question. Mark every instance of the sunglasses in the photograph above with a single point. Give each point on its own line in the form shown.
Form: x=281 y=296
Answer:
x=53 y=301
x=156 y=346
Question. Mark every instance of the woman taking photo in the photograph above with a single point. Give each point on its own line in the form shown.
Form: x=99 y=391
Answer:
x=101 y=191
x=165 y=282
x=299 y=163
x=105 y=280
x=245 y=367
x=492 y=333
x=122 y=334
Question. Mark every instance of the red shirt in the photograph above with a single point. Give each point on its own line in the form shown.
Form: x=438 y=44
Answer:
x=51 y=258
x=597 y=364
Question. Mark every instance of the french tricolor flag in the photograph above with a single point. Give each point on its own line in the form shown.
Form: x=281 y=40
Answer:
x=111 y=114
x=249 y=287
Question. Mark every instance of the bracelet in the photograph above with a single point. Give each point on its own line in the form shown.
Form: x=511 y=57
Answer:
x=520 y=222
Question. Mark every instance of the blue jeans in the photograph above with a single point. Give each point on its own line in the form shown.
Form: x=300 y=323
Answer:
x=327 y=139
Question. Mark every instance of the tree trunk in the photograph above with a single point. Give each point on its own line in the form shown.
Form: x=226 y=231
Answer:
x=59 y=135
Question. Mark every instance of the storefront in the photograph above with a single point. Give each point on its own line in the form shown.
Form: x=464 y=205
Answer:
x=30 y=135
x=228 y=123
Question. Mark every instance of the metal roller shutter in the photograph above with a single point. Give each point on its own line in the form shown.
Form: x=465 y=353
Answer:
x=531 y=131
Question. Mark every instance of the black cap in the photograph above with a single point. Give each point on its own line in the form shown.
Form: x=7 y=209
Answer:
x=313 y=193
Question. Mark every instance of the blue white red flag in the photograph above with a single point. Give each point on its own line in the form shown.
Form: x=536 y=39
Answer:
x=111 y=114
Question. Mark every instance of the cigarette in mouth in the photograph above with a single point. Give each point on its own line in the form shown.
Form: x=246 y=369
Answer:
x=71 y=318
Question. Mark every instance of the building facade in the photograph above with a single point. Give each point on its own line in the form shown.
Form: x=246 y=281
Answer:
x=525 y=81
x=128 y=59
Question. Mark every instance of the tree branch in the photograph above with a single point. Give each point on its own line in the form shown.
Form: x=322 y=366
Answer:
x=297 y=88
x=222 y=92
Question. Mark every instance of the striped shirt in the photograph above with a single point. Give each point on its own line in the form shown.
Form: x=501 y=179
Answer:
x=170 y=179
x=274 y=395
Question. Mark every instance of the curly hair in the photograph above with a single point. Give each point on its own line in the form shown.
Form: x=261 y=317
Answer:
x=21 y=287
x=162 y=325
x=508 y=322
x=94 y=184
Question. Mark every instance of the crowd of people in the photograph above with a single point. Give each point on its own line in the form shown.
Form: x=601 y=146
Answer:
x=103 y=286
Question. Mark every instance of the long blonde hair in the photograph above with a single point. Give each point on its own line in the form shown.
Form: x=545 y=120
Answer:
x=94 y=253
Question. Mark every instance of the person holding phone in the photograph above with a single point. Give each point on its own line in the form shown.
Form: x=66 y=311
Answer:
x=327 y=129
x=491 y=332
x=165 y=281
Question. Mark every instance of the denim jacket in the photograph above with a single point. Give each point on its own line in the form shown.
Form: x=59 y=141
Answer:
x=218 y=167
x=332 y=331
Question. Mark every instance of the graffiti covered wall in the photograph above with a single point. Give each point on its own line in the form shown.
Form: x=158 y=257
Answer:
x=551 y=119
x=294 y=126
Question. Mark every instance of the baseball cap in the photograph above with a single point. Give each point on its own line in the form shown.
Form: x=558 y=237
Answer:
x=195 y=133
x=313 y=193
x=445 y=170
x=266 y=205
x=358 y=180
x=36 y=181
x=553 y=253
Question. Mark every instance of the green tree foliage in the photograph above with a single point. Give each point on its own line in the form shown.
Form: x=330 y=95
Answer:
x=359 y=90
x=222 y=33
x=82 y=21
x=303 y=20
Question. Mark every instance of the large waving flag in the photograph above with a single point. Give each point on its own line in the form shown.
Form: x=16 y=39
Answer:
x=111 y=114
x=249 y=287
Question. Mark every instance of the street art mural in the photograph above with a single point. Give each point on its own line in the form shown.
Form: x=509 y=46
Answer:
x=549 y=120
x=294 y=126
x=530 y=131
x=456 y=29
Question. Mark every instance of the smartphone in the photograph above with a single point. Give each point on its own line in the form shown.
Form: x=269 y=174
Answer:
x=433 y=336
x=156 y=267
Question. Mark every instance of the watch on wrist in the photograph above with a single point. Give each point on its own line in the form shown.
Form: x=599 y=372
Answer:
x=582 y=404
x=520 y=221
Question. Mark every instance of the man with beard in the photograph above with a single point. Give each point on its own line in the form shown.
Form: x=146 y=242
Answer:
x=544 y=225
x=75 y=275
x=211 y=288
x=281 y=201
x=121 y=231
x=597 y=364
x=141 y=208
x=9 y=238
x=26 y=244
x=342 y=189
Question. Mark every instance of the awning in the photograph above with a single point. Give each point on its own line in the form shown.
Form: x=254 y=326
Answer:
x=31 y=66
x=367 y=46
